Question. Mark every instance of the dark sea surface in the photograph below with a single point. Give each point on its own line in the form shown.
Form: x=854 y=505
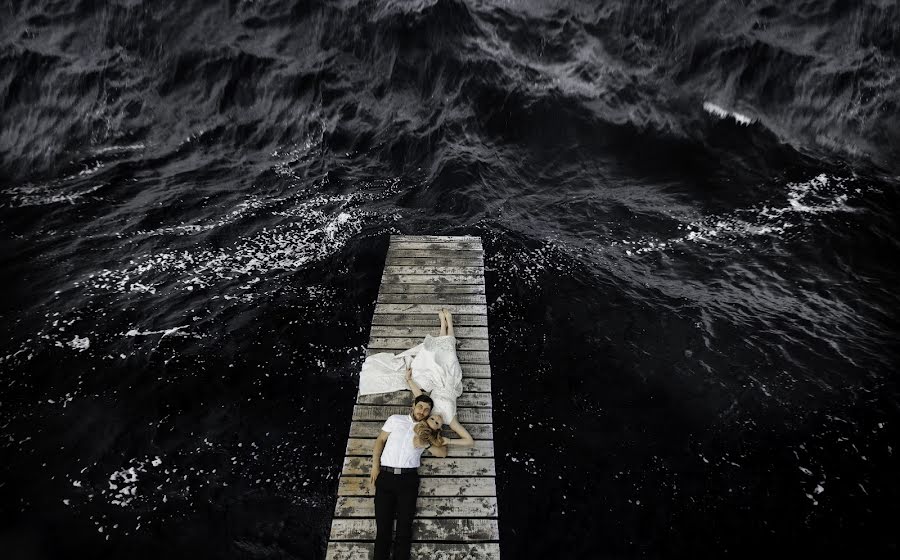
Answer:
x=692 y=247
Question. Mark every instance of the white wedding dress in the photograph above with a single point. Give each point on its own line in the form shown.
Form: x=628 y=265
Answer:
x=435 y=368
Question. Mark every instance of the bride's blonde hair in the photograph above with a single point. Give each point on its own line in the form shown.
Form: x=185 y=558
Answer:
x=426 y=436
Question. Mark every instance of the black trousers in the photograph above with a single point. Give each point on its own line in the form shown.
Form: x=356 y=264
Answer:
x=395 y=495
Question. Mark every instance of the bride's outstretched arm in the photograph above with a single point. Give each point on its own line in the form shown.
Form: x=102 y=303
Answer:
x=413 y=386
x=465 y=438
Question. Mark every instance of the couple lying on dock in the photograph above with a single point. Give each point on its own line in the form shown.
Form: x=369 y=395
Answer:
x=404 y=437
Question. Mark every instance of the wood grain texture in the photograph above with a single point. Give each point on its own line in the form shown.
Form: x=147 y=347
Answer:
x=442 y=246
x=428 y=486
x=435 y=254
x=423 y=551
x=467 y=416
x=426 y=506
x=405 y=398
x=430 y=309
x=459 y=530
x=401 y=344
x=435 y=270
x=363 y=448
x=434 y=299
x=363 y=429
x=431 y=466
x=404 y=320
x=434 y=279
x=420 y=331
x=434 y=261
x=409 y=288
x=435 y=238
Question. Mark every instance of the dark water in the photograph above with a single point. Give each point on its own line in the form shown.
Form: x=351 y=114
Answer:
x=690 y=221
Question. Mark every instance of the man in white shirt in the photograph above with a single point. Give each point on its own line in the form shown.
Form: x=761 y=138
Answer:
x=395 y=461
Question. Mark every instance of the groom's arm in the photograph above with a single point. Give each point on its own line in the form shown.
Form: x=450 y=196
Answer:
x=376 y=456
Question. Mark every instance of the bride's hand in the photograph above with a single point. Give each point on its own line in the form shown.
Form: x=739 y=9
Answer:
x=408 y=373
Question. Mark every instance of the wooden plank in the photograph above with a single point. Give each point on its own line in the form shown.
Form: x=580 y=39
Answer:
x=437 y=299
x=394 y=320
x=359 y=447
x=430 y=309
x=459 y=530
x=405 y=399
x=435 y=254
x=420 y=331
x=435 y=279
x=465 y=357
x=393 y=343
x=428 y=486
x=435 y=238
x=435 y=270
x=426 y=506
x=424 y=550
x=443 y=246
x=430 y=466
x=381 y=412
x=433 y=261
x=370 y=429
x=387 y=288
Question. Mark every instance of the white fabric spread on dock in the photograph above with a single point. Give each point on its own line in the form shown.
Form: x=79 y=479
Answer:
x=435 y=368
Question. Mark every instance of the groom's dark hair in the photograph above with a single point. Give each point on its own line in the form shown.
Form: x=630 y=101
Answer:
x=425 y=399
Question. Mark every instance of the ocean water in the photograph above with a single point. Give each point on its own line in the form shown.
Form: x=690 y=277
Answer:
x=689 y=212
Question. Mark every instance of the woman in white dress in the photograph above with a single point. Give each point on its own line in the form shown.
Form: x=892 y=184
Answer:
x=435 y=368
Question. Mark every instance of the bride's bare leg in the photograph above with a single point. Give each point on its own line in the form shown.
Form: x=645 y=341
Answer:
x=449 y=317
x=443 y=322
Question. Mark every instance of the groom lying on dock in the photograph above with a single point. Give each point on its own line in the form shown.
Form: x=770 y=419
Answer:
x=395 y=463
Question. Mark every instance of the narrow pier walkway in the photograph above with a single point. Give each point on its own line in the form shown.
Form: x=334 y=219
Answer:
x=457 y=506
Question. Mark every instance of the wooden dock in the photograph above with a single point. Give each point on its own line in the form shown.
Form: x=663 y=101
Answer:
x=456 y=514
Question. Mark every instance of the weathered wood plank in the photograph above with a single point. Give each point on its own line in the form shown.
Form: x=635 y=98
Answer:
x=405 y=398
x=394 y=320
x=431 y=551
x=393 y=343
x=443 y=246
x=420 y=331
x=435 y=299
x=428 y=486
x=435 y=279
x=423 y=530
x=367 y=429
x=433 y=261
x=431 y=466
x=360 y=447
x=435 y=254
x=435 y=238
x=435 y=270
x=387 y=288
x=432 y=238
x=430 y=309
x=381 y=412
x=464 y=357
x=426 y=506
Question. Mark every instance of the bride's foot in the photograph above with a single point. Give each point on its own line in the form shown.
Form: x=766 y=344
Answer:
x=443 y=321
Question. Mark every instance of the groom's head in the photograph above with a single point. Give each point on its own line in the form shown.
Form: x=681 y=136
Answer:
x=421 y=408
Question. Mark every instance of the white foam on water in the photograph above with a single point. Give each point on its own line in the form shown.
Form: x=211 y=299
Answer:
x=119 y=149
x=718 y=111
x=315 y=235
x=80 y=343
x=822 y=194
x=43 y=195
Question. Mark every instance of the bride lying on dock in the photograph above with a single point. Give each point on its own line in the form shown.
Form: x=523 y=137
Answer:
x=435 y=368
